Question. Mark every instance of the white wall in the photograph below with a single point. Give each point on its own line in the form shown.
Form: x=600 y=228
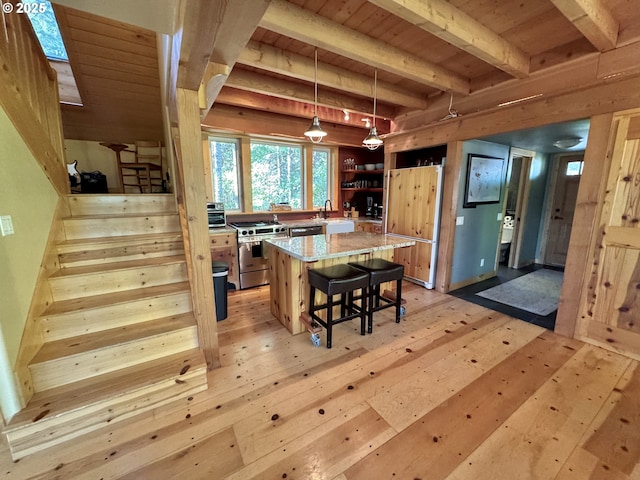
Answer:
x=92 y=156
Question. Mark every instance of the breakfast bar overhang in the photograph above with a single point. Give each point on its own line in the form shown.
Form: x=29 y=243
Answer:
x=291 y=257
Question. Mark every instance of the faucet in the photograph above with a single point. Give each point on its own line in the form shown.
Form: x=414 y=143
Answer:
x=326 y=215
x=275 y=218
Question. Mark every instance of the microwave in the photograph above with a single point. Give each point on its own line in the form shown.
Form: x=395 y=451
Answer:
x=217 y=217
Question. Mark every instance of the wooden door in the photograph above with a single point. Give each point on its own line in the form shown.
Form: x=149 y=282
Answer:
x=413 y=210
x=562 y=210
x=610 y=301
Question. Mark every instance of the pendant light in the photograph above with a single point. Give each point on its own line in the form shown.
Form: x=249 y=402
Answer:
x=373 y=141
x=315 y=133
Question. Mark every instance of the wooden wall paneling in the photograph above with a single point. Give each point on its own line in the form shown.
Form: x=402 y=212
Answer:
x=450 y=188
x=610 y=302
x=199 y=255
x=597 y=159
x=30 y=99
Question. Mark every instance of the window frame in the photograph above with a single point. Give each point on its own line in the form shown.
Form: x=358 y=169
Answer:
x=245 y=162
x=209 y=171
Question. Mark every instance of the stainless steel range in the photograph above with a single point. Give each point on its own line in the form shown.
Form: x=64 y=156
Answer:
x=252 y=258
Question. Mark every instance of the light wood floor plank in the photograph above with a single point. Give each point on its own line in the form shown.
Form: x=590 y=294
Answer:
x=551 y=418
x=465 y=395
x=437 y=442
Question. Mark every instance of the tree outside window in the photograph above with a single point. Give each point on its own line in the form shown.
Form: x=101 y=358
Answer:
x=225 y=172
x=320 y=171
x=276 y=175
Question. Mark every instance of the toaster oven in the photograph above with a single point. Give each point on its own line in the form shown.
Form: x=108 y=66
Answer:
x=217 y=217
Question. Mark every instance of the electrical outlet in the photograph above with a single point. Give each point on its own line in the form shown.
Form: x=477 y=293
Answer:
x=482 y=262
x=459 y=220
x=6 y=225
x=500 y=216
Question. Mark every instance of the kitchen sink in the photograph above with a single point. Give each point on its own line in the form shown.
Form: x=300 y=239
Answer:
x=338 y=225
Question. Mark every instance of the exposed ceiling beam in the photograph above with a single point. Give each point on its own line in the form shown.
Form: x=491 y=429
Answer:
x=287 y=19
x=280 y=61
x=452 y=25
x=214 y=77
x=257 y=83
x=238 y=98
x=593 y=19
x=244 y=120
x=216 y=31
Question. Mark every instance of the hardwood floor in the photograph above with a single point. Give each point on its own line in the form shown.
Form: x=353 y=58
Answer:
x=455 y=391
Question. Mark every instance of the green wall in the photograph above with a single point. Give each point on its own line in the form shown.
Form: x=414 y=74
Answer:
x=477 y=238
x=27 y=195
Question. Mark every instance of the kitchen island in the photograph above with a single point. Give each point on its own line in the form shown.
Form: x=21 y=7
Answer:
x=291 y=257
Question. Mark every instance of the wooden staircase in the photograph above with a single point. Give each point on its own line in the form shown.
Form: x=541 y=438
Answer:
x=120 y=337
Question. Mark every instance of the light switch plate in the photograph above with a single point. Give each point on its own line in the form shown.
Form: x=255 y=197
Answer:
x=459 y=220
x=500 y=216
x=6 y=225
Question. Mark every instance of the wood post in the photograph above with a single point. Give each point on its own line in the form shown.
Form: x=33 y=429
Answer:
x=197 y=225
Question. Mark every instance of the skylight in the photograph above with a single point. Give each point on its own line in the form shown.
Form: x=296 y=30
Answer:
x=46 y=27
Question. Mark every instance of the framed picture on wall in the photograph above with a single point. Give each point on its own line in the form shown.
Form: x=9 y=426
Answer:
x=485 y=177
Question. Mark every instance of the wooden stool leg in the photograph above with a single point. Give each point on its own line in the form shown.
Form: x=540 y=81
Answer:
x=398 y=299
x=312 y=303
x=363 y=309
x=329 y=319
x=371 y=303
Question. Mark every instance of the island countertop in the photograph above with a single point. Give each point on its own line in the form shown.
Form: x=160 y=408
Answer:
x=321 y=247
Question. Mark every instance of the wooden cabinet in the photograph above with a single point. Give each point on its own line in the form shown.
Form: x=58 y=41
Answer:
x=372 y=227
x=224 y=247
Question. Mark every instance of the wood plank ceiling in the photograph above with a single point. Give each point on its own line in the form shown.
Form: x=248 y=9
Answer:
x=116 y=69
x=426 y=55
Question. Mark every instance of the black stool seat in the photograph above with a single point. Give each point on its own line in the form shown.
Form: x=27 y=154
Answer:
x=381 y=271
x=340 y=279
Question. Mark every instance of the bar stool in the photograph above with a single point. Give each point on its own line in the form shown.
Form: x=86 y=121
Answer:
x=338 y=279
x=381 y=271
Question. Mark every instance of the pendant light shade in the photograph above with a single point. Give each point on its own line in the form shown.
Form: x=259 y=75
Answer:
x=373 y=141
x=315 y=133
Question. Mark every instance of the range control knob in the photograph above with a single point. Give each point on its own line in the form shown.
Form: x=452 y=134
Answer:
x=244 y=232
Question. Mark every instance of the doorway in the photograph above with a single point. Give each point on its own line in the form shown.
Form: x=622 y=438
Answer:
x=562 y=204
x=515 y=209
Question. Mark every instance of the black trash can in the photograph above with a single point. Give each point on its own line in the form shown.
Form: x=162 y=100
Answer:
x=220 y=271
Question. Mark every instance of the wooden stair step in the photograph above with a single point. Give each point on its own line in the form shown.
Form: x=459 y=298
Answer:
x=60 y=414
x=65 y=361
x=79 y=316
x=112 y=249
x=93 y=226
x=121 y=203
x=88 y=280
x=98 y=243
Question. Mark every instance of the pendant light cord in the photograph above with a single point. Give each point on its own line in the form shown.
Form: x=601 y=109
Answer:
x=375 y=87
x=315 y=89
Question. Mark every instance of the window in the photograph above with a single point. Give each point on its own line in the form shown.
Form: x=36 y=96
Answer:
x=574 y=168
x=225 y=172
x=321 y=175
x=46 y=28
x=276 y=175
